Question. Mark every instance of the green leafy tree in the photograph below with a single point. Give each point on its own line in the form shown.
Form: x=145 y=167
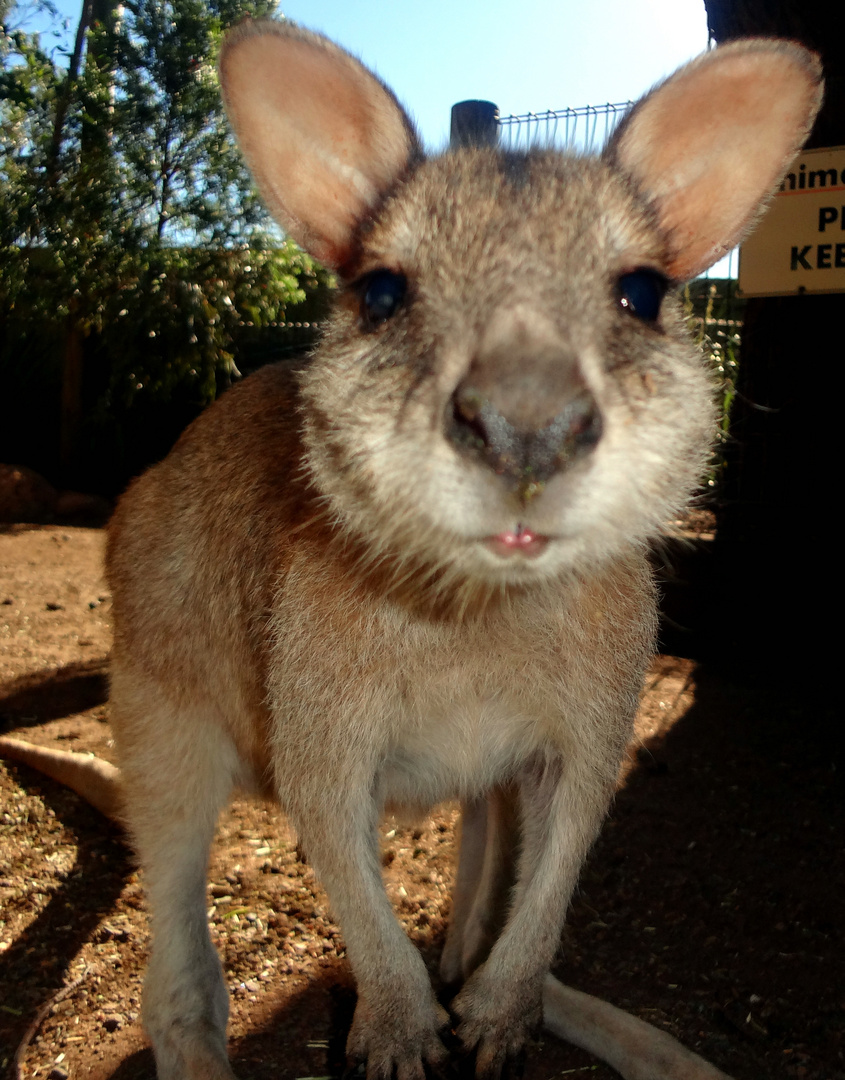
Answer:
x=132 y=243
x=183 y=171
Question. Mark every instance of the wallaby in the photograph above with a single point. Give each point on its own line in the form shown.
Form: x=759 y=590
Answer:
x=415 y=568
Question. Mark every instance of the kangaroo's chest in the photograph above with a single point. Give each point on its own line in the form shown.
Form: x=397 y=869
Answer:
x=421 y=710
x=456 y=737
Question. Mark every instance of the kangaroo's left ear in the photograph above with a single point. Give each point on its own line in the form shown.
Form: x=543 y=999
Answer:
x=708 y=147
x=324 y=138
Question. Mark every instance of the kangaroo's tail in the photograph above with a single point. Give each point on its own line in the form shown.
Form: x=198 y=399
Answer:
x=97 y=781
x=635 y=1049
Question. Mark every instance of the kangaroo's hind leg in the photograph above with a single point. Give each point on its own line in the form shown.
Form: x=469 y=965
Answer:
x=486 y=874
x=481 y=899
x=178 y=770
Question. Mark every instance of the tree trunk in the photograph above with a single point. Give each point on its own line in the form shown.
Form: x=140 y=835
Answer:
x=774 y=559
x=64 y=98
x=71 y=402
x=92 y=143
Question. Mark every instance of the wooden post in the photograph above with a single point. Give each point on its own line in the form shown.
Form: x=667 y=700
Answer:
x=474 y=123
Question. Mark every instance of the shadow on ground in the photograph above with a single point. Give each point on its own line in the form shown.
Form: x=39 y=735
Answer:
x=53 y=693
x=711 y=904
x=36 y=964
x=719 y=880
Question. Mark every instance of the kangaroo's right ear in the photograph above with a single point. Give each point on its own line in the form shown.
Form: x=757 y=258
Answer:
x=324 y=138
x=708 y=147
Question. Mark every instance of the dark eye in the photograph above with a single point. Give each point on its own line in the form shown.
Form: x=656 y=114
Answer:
x=383 y=293
x=641 y=293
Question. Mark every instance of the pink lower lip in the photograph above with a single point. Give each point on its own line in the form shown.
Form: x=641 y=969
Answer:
x=521 y=542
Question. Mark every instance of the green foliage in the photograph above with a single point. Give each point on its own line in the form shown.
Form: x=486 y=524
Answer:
x=131 y=146
x=716 y=313
x=170 y=319
x=191 y=305
x=184 y=172
x=127 y=217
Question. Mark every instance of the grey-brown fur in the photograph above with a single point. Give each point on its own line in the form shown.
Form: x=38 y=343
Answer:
x=330 y=590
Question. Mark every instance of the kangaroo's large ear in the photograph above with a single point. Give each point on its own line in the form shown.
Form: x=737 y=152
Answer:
x=709 y=146
x=324 y=138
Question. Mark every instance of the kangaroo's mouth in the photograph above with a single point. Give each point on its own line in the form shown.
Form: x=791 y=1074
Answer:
x=520 y=541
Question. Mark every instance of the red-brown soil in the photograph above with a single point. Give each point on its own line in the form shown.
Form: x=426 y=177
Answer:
x=711 y=905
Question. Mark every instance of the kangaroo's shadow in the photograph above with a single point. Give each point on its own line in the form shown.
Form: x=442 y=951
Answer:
x=303 y=1035
x=35 y=965
x=50 y=694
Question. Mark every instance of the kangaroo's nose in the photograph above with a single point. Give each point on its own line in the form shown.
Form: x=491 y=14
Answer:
x=525 y=456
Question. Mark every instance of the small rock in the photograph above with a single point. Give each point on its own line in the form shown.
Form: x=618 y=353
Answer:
x=25 y=495
x=113 y=933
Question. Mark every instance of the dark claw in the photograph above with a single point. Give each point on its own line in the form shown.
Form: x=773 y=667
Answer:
x=512 y=1068
x=449 y=1069
x=515 y=1066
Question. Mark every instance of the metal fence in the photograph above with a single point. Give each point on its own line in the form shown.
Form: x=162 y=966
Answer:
x=586 y=129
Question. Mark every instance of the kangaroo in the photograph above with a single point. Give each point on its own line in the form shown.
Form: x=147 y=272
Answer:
x=415 y=568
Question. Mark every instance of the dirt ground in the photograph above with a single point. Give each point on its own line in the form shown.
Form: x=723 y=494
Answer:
x=711 y=905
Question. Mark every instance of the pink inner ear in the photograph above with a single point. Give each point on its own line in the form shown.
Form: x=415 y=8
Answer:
x=323 y=137
x=709 y=146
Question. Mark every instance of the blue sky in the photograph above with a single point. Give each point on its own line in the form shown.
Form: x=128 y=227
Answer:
x=530 y=56
x=525 y=57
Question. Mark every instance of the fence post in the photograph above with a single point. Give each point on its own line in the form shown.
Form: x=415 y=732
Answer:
x=474 y=123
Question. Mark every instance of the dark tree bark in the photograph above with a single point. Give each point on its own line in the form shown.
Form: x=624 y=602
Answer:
x=777 y=560
x=63 y=101
x=73 y=362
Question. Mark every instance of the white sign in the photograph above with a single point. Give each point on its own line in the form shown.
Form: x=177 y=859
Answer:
x=799 y=246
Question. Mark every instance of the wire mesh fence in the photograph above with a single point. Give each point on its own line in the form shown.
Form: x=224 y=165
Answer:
x=585 y=129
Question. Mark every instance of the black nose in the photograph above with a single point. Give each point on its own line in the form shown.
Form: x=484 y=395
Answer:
x=525 y=459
